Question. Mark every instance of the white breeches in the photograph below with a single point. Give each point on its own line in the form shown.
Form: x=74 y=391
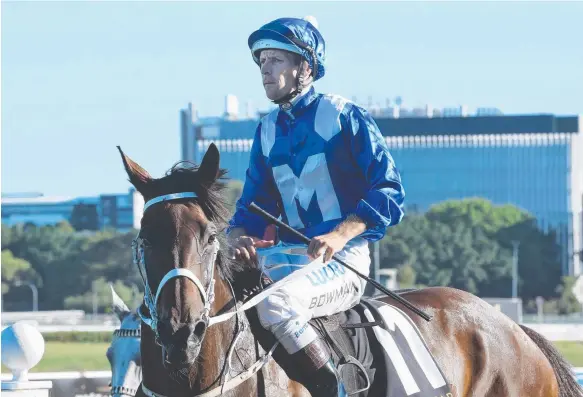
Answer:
x=327 y=290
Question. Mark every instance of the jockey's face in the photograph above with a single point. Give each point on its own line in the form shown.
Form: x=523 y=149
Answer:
x=279 y=70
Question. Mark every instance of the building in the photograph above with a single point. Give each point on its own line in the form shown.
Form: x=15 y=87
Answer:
x=235 y=133
x=532 y=161
x=118 y=211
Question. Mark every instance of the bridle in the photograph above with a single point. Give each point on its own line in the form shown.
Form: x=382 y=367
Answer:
x=208 y=295
x=125 y=333
x=151 y=300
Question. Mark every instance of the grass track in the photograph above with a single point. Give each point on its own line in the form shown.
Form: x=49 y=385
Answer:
x=79 y=356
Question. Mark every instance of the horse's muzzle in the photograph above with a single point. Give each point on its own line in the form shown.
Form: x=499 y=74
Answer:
x=181 y=349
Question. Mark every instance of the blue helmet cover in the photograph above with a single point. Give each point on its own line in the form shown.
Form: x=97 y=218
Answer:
x=278 y=34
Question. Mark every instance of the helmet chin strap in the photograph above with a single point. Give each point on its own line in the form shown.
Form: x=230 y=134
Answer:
x=285 y=101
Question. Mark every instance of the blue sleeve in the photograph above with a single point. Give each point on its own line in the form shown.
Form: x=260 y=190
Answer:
x=259 y=188
x=382 y=205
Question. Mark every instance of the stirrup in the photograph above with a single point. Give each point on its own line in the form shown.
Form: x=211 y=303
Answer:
x=353 y=361
x=334 y=381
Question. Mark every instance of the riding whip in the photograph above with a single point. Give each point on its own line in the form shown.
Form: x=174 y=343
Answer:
x=255 y=208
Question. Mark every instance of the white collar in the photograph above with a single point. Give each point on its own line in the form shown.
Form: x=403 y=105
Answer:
x=287 y=108
x=302 y=94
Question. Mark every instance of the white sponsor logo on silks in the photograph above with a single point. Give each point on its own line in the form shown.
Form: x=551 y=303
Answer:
x=331 y=296
x=327 y=273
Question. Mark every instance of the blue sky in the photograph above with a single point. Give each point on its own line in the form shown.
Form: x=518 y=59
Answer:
x=79 y=78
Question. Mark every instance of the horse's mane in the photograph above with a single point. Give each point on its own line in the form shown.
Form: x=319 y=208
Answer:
x=184 y=176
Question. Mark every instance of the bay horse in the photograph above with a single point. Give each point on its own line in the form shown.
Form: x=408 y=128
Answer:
x=197 y=341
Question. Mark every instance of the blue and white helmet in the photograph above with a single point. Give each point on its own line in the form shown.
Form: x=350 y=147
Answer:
x=300 y=36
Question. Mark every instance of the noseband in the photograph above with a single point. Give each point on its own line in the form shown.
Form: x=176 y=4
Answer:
x=150 y=300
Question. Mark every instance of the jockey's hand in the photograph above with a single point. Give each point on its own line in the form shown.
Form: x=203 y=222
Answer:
x=244 y=248
x=327 y=245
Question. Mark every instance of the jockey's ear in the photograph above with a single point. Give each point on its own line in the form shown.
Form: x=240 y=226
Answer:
x=209 y=168
x=139 y=177
x=305 y=72
x=305 y=67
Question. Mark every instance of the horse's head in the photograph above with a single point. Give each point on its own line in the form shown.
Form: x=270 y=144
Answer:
x=124 y=352
x=176 y=252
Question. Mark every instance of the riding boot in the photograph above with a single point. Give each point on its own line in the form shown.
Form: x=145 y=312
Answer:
x=321 y=376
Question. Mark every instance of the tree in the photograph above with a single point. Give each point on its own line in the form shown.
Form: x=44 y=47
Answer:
x=15 y=269
x=538 y=265
x=105 y=254
x=69 y=262
x=466 y=244
x=567 y=302
x=42 y=247
x=100 y=294
x=477 y=212
x=405 y=243
x=440 y=253
x=406 y=277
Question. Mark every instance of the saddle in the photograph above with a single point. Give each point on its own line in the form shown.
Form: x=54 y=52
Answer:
x=380 y=352
x=354 y=347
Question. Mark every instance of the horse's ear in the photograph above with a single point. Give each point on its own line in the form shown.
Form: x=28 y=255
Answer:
x=139 y=177
x=209 y=167
x=119 y=306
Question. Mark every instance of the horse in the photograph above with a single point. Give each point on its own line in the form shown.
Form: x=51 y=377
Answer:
x=199 y=326
x=123 y=353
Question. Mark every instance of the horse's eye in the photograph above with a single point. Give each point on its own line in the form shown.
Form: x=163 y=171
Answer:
x=212 y=238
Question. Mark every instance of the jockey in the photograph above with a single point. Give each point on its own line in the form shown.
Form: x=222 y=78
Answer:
x=321 y=164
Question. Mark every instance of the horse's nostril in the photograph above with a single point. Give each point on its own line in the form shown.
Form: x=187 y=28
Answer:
x=199 y=329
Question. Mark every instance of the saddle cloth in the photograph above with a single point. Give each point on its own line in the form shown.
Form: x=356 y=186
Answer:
x=389 y=359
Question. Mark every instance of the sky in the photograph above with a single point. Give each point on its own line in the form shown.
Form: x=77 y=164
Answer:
x=79 y=78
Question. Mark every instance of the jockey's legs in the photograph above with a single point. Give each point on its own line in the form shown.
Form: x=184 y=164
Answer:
x=327 y=290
